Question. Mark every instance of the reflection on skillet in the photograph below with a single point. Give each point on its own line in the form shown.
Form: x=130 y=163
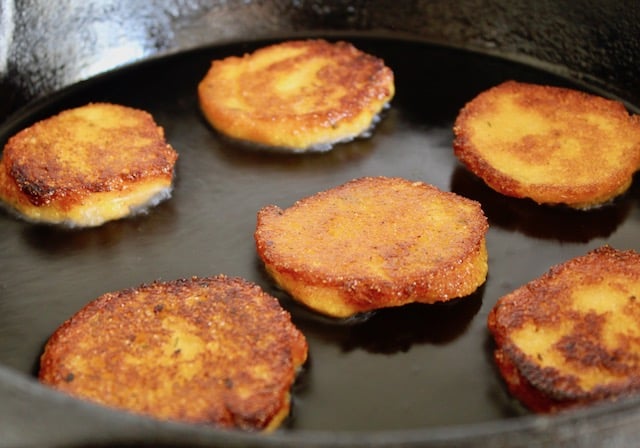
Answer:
x=56 y=239
x=393 y=330
x=357 y=146
x=541 y=221
x=239 y=153
x=397 y=329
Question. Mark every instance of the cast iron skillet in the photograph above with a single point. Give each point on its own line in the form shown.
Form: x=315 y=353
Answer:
x=415 y=376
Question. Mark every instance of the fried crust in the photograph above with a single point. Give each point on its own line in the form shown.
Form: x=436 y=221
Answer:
x=572 y=336
x=296 y=95
x=550 y=144
x=374 y=242
x=87 y=165
x=215 y=350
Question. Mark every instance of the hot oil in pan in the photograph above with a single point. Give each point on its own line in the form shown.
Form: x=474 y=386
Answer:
x=411 y=367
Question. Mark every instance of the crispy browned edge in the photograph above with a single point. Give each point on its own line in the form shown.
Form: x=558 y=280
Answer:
x=546 y=390
x=27 y=182
x=259 y=127
x=436 y=283
x=292 y=344
x=579 y=196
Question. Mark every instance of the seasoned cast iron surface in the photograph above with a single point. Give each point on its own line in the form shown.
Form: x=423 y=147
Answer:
x=413 y=367
x=594 y=40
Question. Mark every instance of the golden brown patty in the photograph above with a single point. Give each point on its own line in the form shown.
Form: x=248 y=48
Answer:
x=212 y=350
x=87 y=165
x=374 y=242
x=572 y=336
x=296 y=95
x=553 y=145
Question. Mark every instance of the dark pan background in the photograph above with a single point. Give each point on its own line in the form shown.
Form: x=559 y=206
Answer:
x=413 y=376
x=412 y=367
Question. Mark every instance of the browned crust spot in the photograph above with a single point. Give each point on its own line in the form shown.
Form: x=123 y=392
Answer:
x=215 y=350
x=296 y=95
x=62 y=161
x=550 y=144
x=572 y=336
x=375 y=242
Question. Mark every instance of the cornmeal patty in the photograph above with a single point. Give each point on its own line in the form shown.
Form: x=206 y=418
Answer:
x=550 y=144
x=572 y=336
x=214 y=350
x=374 y=242
x=86 y=166
x=296 y=95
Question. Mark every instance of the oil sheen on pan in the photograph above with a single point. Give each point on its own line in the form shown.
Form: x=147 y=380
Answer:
x=409 y=367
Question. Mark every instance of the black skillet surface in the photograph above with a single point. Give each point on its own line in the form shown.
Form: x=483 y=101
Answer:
x=413 y=367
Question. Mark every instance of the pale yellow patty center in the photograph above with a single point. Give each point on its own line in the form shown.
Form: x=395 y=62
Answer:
x=614 y=304
x=386 y=244
x=542 y=148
